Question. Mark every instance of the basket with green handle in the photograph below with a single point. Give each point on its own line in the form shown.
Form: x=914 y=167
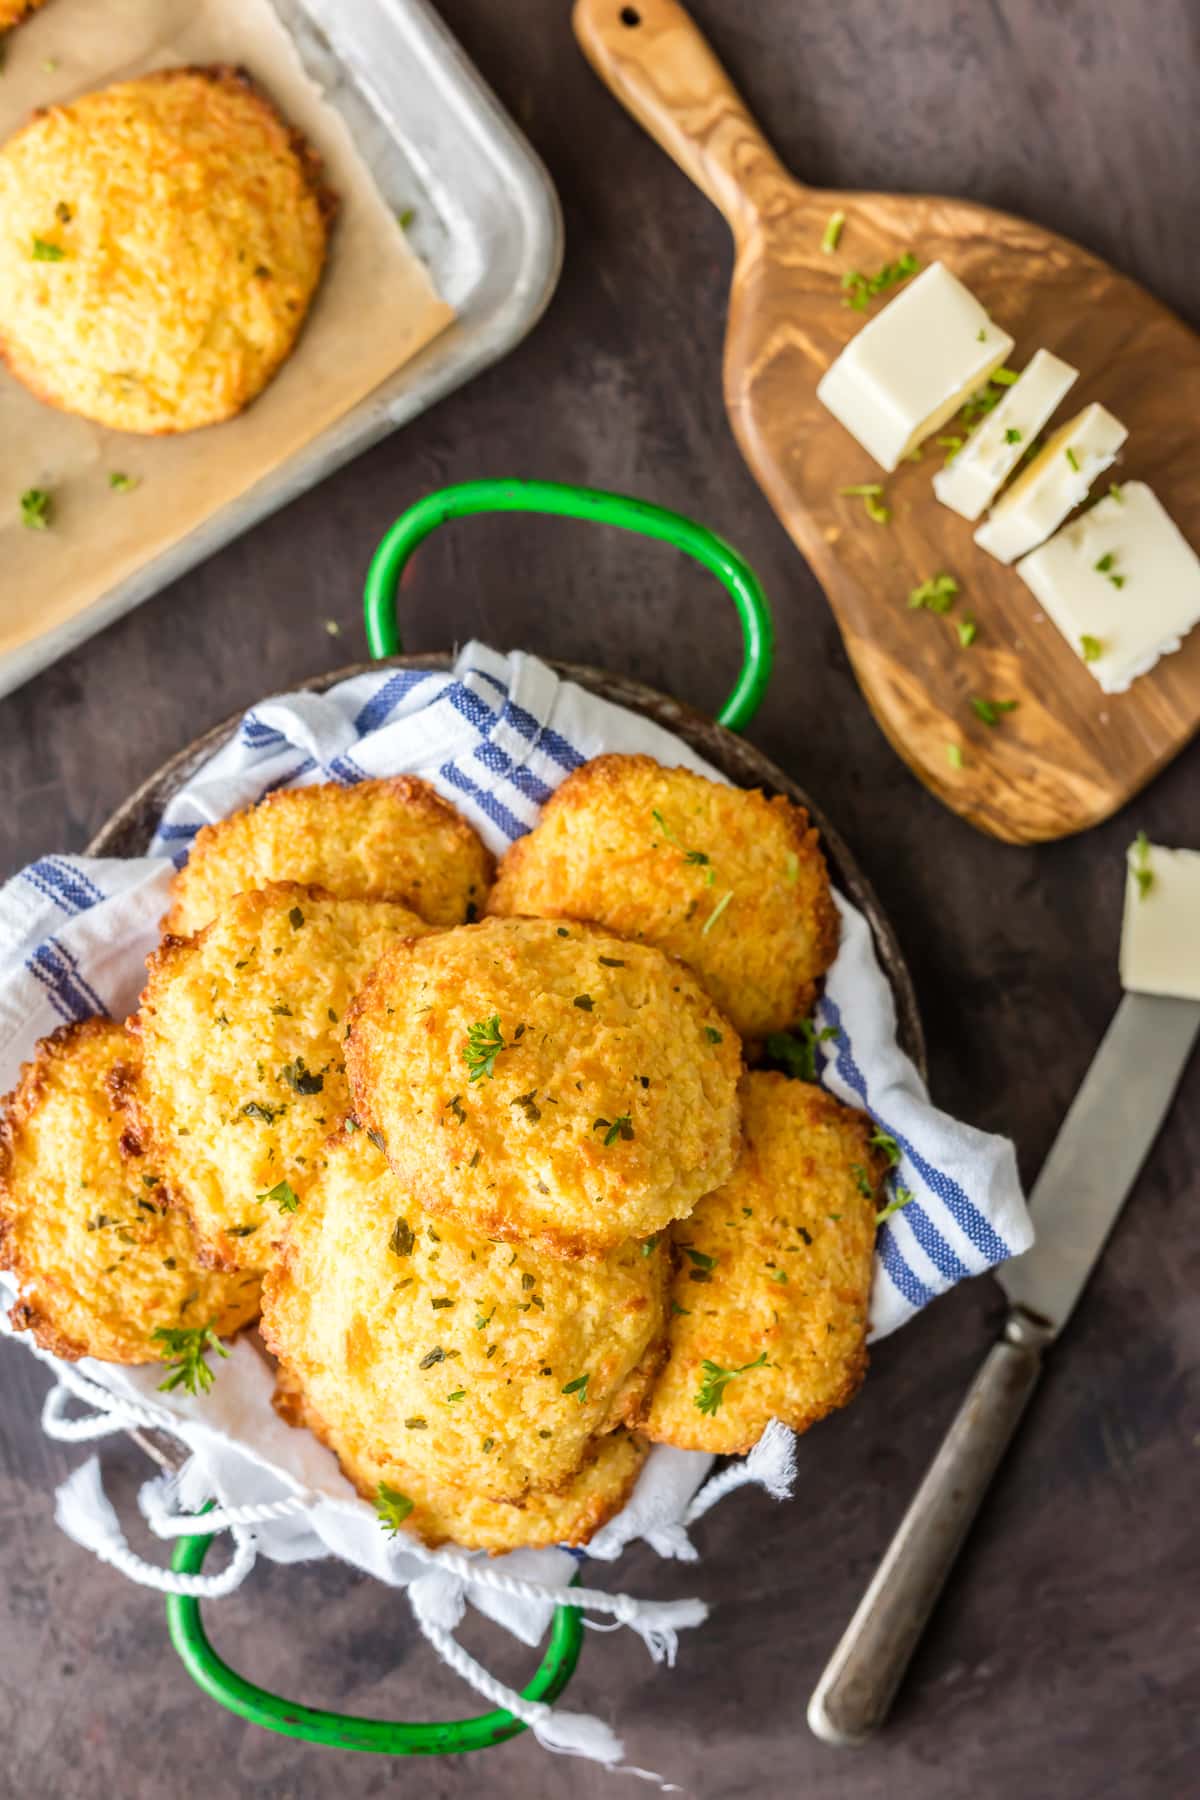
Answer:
x=451 y=1737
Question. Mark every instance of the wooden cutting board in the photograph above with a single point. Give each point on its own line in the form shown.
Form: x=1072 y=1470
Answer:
x=1068 y=755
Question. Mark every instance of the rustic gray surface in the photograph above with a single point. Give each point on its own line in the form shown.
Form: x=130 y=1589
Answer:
x=1061 y=1662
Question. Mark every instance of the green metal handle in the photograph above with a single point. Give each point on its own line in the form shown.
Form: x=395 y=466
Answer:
x=342 y=1731
x=567 y=501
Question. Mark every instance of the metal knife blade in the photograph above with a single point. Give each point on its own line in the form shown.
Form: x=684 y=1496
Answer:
x=1102 y=1143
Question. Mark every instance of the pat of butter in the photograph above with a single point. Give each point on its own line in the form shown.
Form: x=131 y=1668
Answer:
x=972 y=478
x=1160 y=936
x=911 y=367
x=1124 y=577
x=1053 y=485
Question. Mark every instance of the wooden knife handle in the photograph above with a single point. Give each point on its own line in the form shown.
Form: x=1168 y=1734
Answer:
x=853 y=1696
x=652 y=57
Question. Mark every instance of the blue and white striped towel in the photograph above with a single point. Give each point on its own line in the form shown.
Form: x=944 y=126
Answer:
x=496 y=736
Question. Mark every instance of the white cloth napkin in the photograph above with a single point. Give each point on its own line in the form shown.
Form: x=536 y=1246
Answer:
x=495 y=735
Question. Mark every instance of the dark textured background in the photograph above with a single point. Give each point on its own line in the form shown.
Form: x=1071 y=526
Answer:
x=1060 y=1662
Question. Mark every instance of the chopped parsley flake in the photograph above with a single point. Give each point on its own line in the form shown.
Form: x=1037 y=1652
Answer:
x=832 y=232
x=861 y=1181
x=578 y=1386
x=1005 y=377
x=183 y=1351
x=393 y=1508
x=716 y=912
x=35 y=509
x=935 y=595
x=967 y=630
x=861 y=289
x=903 y=1198
x=584 y=1002
x=883 y=1140
x=611 y=962
x=869 y=493
x=458 y=1394
x=1143 y=874
x=484 y=1043
x=402 y=1239
x=300 y=1079
x=431 y=1357
x=620 y=1127
x=254 y=1109
x=1072 y=459
x=796 y=1050
x=123 y=484
x=990 y=710
x=954 y=755
x=527 y=1103
x=699 y=1260
x=699 y=858
x=295 y=918
x=1090 y=647
x=711 y=1391
x=46 y=252
x=1012 y=435
x=283 y=1195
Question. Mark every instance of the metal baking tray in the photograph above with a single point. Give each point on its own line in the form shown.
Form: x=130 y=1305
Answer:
x=486 y=223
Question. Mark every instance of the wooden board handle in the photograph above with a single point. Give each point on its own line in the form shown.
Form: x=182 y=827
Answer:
x=651 y=56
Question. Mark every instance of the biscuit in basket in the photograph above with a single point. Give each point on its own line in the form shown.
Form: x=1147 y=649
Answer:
x=441 y=1513
x=546 y=1082
x=376 y=840
x=478 y=1363
x=101 y=1259
x=160 y=242
x=769 y=1300
x=732 y=883
x=243 y=1030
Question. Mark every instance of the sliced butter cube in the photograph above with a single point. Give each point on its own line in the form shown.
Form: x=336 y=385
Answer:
x=1053 y=485
x=1160 y=936
x=911 y=367
x=973 y=478
x=1122 y=584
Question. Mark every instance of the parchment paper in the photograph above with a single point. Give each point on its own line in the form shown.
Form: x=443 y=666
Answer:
x=375 y=308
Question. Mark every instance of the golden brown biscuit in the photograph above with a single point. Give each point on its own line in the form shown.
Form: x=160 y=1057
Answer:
x=160 y=242
x=479 y=1364
x=243 y=1029
x=546 y=1083
x=732 y=883
x=769 y=1301
x=84 y=1223
x=378 y=840
x=442 y=1513
x=13 y=11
